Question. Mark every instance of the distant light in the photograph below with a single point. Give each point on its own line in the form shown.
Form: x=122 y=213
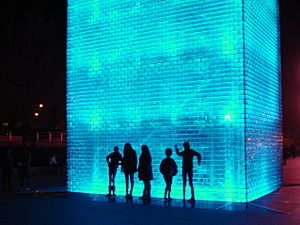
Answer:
x=41 y=105
x=227 y=117
x=36 y=114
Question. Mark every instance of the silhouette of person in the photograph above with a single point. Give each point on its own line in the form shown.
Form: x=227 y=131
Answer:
x=23 y=167
x=187 y=166
x=114 y=159
x=129 y=167
x=168 y=169
x=285 y=154
x=145 y=172
x=54 y=163
x=293 y=150
x=7 y=170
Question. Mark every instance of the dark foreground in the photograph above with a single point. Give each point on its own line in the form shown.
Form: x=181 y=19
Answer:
x=48 y=203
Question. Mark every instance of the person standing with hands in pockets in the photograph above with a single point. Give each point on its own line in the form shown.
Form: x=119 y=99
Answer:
x=113 y=160
x=187 y=166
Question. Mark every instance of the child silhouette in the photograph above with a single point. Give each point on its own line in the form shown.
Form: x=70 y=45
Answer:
x=168 y=168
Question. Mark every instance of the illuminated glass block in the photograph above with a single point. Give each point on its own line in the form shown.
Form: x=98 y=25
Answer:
x=164 y=72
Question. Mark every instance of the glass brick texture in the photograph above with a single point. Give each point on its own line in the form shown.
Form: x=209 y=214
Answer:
x=263 y=97
x=161 y=73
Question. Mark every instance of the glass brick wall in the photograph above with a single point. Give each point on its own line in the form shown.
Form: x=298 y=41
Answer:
x=161 y=73
x=263 y=97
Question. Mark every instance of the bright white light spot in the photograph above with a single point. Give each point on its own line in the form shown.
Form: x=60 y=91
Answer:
x=227 y=117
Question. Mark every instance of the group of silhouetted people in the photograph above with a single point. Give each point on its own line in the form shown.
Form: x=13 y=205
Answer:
x=168 y=168
x=22 y=162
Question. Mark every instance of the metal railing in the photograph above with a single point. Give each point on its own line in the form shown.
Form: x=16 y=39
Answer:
x=44 y=138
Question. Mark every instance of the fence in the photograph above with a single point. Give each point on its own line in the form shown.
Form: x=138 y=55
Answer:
x=39 y=139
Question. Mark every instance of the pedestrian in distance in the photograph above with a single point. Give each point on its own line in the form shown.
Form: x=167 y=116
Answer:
x=23 y=167
x=113 y=160
x=168 y=169
x=54 y=163
x=145 y=172
x=285 y=154
x=7 y=169
x=129 y=167
x=292 y=150
x=187 y=167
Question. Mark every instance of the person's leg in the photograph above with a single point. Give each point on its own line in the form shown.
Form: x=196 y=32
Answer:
x=109 y=176
x=109 y=181
x=170 y=186
x=184 y=182
x=27 y=177
x=21 y=177
x=294 y=154
x=144 y=190
x=132 y=182
x=190 y=174
x=114 y=176
x=113 y=181
x=4 y=179
x=127 y=182
x=167 y=186
x=8 y=180
x=27 y=183
x=148 y=189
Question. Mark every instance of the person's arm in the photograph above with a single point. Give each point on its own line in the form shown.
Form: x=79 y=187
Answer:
x=175 y=165
x=161 y=167
x=135 y=161
x=198 y=156
x=120 y=159
x=107 y=158
x=175 y=169
x=177 y=151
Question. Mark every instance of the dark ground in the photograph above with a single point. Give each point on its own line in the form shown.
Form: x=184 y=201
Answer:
x=49 y=203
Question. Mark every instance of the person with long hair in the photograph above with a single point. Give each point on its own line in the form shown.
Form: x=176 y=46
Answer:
x=145 y=172
x=129 y=167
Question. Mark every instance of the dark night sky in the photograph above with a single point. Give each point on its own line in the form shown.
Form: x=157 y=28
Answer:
x=290 y=58
x=33 y=58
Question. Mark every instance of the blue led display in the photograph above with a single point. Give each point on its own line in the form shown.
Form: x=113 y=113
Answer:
x=163 y=72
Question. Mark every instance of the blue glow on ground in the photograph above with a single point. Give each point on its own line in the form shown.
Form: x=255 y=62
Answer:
x=164 y=72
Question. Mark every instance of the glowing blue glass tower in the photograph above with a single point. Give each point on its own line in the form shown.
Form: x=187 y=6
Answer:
x=163 y=72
